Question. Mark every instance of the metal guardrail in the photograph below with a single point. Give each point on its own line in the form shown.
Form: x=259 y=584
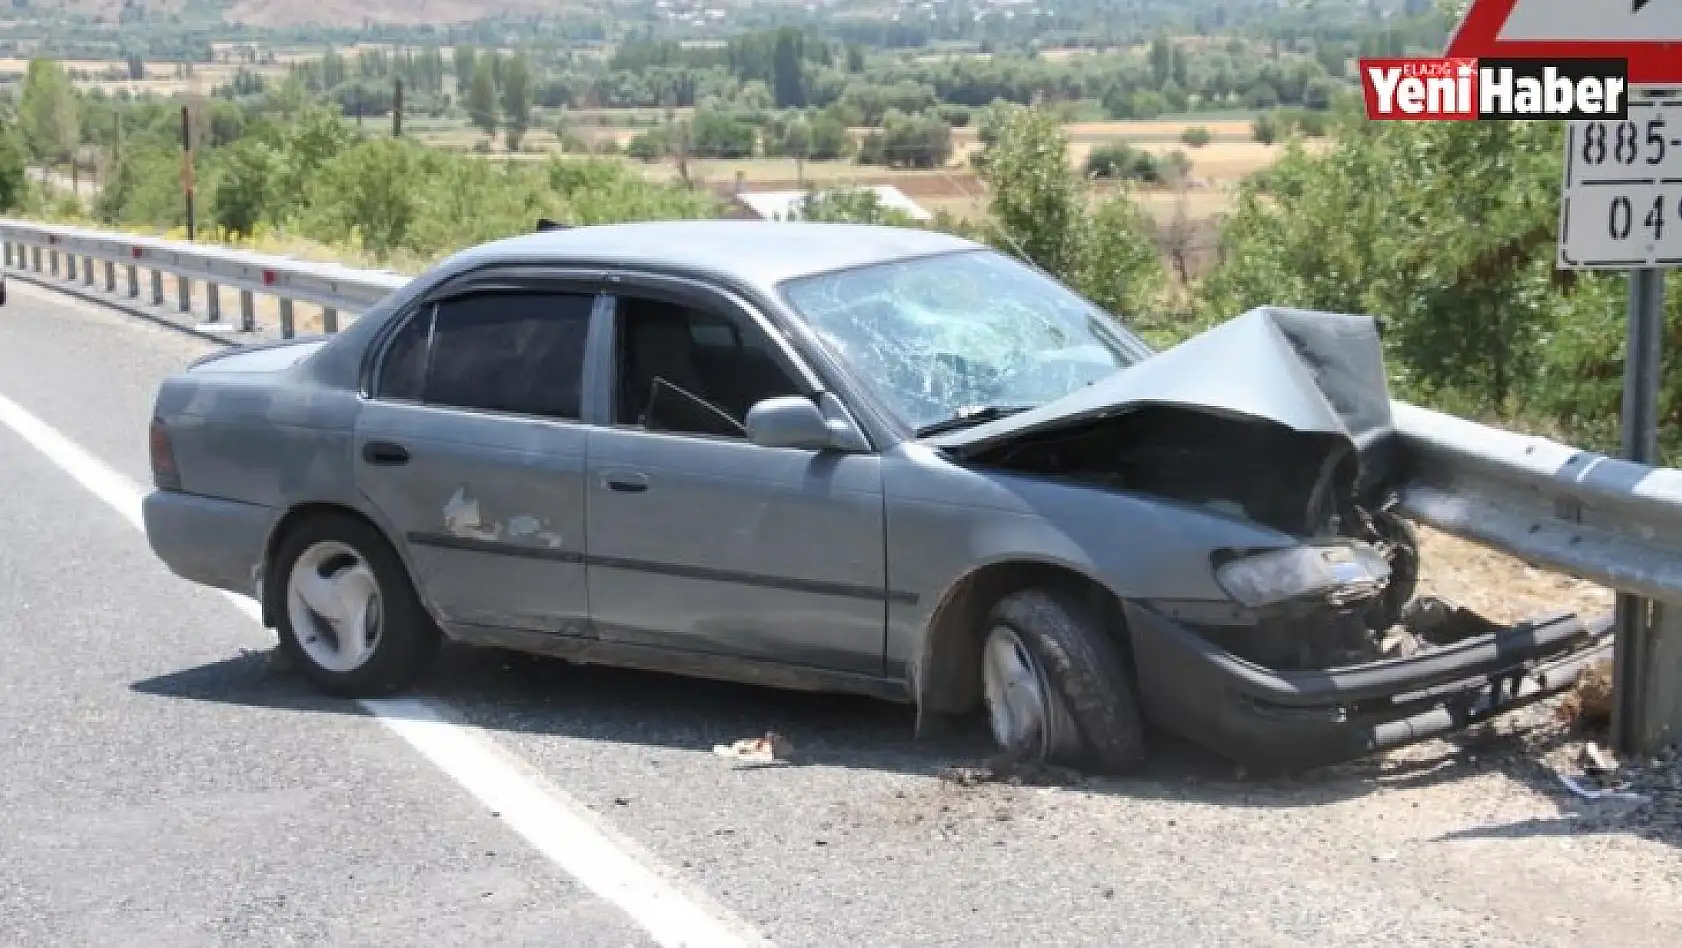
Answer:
x=77 y=253
x=1613 y=522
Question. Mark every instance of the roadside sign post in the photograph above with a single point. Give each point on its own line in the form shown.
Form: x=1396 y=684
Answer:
x=1620 y=209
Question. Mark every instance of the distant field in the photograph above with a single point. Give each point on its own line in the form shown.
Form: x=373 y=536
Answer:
x=356 y=13
x=160 y=78
x=1216 y=168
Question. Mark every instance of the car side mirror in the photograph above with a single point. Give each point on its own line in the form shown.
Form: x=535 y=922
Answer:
x=789 y=421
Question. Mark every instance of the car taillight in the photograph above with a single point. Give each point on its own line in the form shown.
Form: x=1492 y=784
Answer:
x=164 y=473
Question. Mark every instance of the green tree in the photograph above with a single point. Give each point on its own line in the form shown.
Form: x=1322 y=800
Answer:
x=851 y=206
x=465 y=62
x=12 y=180
x=713 y=134
x=516 y=100
x=246 y=181
x=1118 y=265
x=788 y=77
x=1037 y=202
x=1446 y=230
x=481 y=97
x=49 y=112
x=829 y=139
x=1197 y=136
x=1040 y=210
x=369 y=194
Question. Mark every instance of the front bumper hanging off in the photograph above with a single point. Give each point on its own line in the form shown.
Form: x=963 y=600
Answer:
x=1300 y=719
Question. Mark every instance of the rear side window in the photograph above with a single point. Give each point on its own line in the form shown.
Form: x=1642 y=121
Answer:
x=521 y=353
x=403 y=374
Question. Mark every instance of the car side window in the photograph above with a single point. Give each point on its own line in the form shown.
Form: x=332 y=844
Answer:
x=684 y=369
x=517 y=352
x=403 y=368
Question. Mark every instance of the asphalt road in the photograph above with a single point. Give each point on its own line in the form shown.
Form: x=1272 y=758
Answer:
x=161 y=784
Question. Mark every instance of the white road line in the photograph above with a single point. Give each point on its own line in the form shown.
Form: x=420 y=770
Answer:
x=559 y=826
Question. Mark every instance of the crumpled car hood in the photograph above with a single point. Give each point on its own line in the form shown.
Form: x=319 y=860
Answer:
x=1313 y=372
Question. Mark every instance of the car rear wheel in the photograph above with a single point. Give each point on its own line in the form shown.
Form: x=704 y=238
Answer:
x=349 y=618
x=1056 y=686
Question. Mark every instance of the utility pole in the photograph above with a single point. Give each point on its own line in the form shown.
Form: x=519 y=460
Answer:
x=397 y=107
x=187 y=166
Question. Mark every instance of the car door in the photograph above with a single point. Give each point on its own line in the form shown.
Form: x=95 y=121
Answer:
x=472 y=448
x=699 y=540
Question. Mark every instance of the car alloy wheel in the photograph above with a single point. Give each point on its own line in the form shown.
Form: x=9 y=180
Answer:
x=1026 y=716
x=334 y=604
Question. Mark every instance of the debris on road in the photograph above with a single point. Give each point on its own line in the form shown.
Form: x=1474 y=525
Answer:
x=275 y=658
x=770 y=749
x=1599 y=794
x=1590 y=701
x=1009 y=769
x=1597 y=759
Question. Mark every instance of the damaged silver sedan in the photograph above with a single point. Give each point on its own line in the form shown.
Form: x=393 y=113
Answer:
x=841 y=458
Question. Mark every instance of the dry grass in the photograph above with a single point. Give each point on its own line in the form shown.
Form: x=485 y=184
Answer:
x=1499 y=586
x=160 y=77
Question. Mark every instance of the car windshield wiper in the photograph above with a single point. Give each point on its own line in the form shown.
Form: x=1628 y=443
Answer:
x=973 y=415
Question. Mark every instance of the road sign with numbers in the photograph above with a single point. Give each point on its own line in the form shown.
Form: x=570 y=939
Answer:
x=1622 y=205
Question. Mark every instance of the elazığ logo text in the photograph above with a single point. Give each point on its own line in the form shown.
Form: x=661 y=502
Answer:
x=1433 y=89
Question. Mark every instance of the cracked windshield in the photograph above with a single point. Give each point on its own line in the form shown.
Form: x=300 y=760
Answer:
x=962 y=335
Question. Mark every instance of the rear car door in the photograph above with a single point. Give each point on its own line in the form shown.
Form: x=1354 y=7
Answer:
x=472 y=448
x=702 y=541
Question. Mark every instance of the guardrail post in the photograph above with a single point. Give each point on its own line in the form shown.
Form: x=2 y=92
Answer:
x=286 y=331
x=157 y=288
x=329 y=319
x=213 y=302
x=87 y=270
x=247 y=311
x=1659 y=688
x=8 y=249
x=35 y=253
x=69 y=265
x=133 y=281
x=184 y=294
x=110 y=277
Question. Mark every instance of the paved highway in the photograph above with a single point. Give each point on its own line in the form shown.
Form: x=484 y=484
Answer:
x=162 y=784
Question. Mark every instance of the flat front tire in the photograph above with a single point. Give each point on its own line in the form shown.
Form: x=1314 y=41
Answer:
x=1056 y=686
x=348 y=616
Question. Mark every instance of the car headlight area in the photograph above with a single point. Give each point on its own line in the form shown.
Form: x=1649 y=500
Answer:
x=1340 y=573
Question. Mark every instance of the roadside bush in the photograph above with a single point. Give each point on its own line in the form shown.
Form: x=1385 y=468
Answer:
x=852 y=206
x=1197 y=136
x=243 y=195
x=913 y=141
x=13 y=181
x=1041 y=210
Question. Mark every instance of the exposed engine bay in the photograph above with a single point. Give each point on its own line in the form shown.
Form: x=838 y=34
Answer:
x=1293 y=482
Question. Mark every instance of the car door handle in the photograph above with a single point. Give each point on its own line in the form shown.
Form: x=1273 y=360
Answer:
x=385 y=453
x=629 y=482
